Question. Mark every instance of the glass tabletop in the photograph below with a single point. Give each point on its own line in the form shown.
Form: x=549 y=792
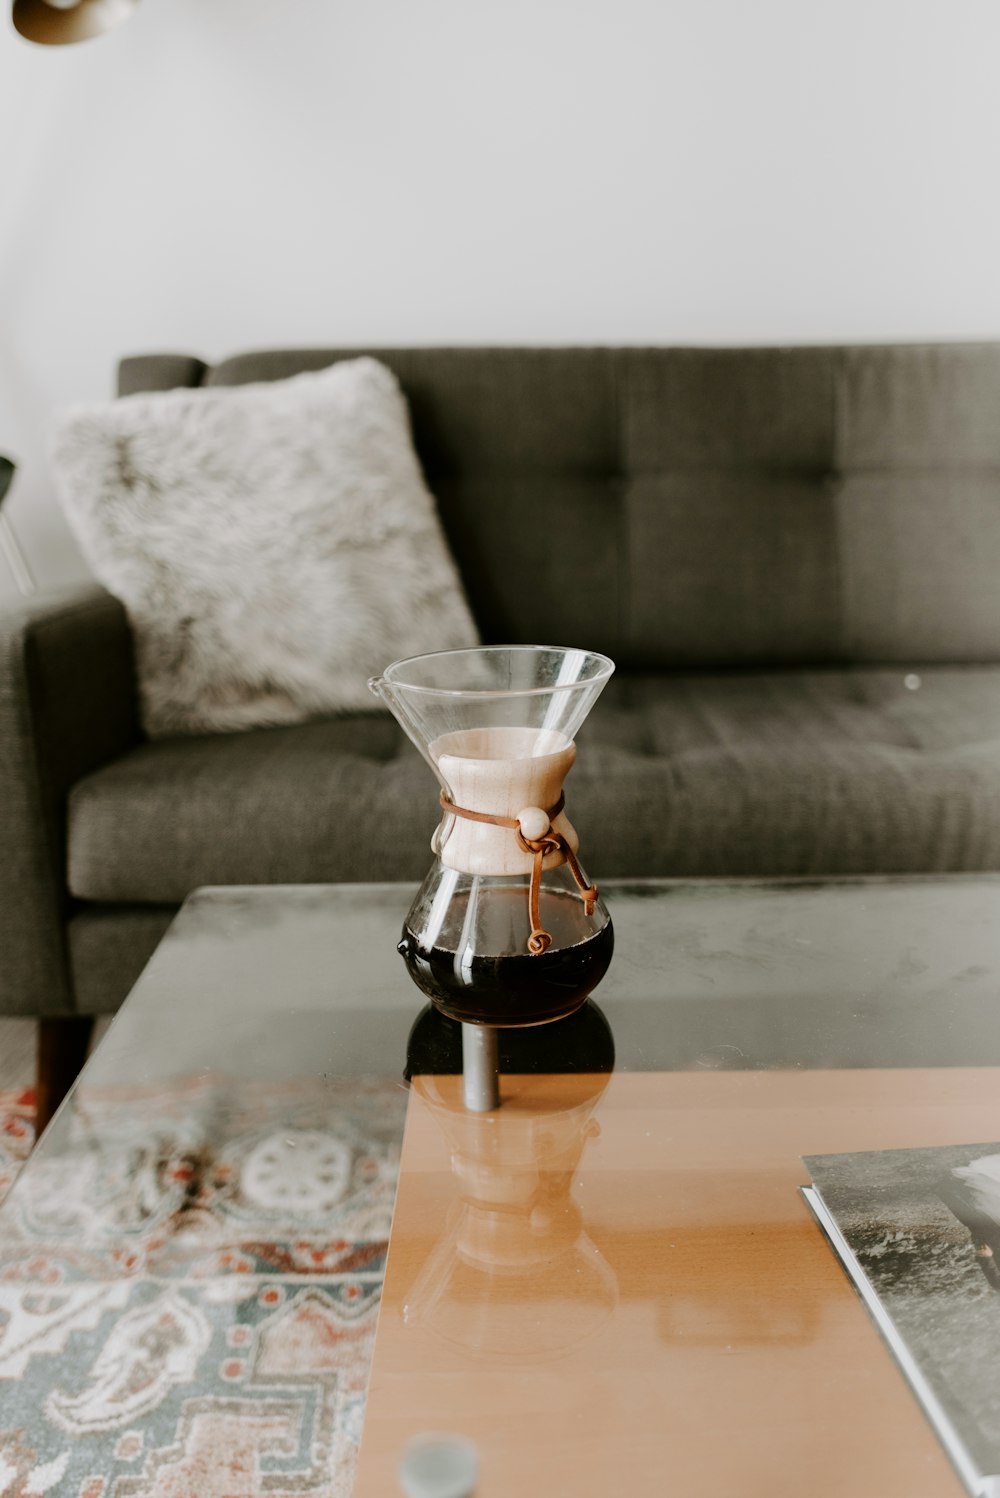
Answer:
x=293 y=981
x=194 y=1257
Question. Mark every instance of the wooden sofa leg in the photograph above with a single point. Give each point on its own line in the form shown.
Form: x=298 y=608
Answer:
x=62 y=1050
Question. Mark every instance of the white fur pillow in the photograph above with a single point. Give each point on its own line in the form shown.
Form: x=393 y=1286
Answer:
x=275 y=544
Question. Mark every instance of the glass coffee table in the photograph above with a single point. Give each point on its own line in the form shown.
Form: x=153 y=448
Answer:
x=610 y=1285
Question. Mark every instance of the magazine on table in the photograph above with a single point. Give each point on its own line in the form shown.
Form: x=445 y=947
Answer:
x=918 y=1231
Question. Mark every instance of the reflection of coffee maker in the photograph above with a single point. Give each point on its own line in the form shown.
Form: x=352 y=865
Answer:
x=514 y=1271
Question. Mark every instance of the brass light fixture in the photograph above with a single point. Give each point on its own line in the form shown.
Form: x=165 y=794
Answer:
x=53 y=23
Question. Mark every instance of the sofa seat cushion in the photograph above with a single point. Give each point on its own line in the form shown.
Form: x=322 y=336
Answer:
x=737 y=774
x=750 y=774
x=340 y=799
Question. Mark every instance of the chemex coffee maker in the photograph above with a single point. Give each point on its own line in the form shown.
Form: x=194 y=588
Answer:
x=506 y=929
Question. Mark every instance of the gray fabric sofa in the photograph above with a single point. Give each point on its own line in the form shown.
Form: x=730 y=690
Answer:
x=793 y=555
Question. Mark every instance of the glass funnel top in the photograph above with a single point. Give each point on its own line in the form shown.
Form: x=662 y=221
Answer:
x=501 y=668
x=539 y=687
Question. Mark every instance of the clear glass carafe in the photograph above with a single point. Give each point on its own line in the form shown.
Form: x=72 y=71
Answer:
x=506 y=929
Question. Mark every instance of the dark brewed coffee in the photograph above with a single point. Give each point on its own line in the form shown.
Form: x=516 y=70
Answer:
x=513 y=987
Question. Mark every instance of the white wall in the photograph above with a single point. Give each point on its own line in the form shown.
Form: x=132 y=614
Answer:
x=223 y=174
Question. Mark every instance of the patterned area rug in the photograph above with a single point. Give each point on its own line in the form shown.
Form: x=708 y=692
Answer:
x=17 y=1135
x=189 y=1288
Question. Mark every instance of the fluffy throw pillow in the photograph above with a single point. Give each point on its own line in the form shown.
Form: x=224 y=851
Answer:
x=274 y=544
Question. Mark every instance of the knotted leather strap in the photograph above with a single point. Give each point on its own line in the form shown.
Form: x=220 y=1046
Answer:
x=550 y=842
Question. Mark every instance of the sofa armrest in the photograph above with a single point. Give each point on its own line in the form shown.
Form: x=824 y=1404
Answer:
x=67 y=705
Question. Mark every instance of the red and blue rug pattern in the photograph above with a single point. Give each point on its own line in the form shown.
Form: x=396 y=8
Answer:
x=17 y=1134
x=189 y=1287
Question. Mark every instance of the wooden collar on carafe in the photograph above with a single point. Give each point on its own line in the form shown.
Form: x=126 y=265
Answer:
x=547 y=841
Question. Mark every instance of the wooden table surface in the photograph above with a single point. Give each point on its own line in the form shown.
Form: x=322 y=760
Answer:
x=617 y=1289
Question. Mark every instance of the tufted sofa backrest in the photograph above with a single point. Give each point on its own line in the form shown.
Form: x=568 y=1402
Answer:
x=704 y=507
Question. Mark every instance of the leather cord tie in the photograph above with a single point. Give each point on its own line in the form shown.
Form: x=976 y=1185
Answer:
x=550 y=842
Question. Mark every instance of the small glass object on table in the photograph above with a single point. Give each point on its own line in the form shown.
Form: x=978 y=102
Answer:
x=506 y=929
